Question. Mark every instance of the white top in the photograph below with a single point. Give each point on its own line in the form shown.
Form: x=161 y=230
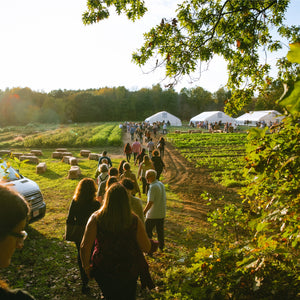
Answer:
x=157 y=195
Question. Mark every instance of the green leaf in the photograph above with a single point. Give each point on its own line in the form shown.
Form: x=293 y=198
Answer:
x=294 y=53
x=261 y=226
x=292 y=102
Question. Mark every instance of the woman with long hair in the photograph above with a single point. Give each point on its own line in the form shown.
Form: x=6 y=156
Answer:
x=111 y=180
x=121 y=169
x=14 y=212
x=120 y=238
x=84 y=203
x=128 y=151
x=145 y=165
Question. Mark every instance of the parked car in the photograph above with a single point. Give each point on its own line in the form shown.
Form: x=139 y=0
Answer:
x=26 y=187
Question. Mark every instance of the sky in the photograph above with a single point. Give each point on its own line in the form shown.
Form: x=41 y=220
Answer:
x=45 y=46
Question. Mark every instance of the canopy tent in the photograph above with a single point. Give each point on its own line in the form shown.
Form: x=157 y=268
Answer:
x=253 y=117
x=164 y=116
x=212 y=117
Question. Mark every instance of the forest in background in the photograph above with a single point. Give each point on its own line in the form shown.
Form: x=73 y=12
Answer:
x=20 y=106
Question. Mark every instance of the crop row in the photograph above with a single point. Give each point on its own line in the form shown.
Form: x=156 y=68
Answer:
x=211 y=140
x=106 y=134
x=222 y=153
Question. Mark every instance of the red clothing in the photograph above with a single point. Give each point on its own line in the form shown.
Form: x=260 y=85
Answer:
x=136 y=147
x=128 y=150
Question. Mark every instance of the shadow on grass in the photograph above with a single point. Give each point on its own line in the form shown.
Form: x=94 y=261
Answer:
x=47 y=268
x=50 y=174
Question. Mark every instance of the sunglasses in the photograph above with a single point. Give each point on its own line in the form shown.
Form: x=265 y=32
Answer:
x=22 y=235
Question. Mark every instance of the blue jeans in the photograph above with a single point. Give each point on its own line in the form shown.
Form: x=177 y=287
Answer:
x=159 y=225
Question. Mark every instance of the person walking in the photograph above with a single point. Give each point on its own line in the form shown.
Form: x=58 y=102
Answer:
x=120 y=240
x=155 y=209
x=14 y=215
x=161 y=146
x=102 y=186
x=104 y=156
x=128 y=151
x=103 y=173
x=157 y=163
x=132 y=131
x=150 y=146
x=136 y=148
x=135 y=202
x=164 y=128
x=120 y=168
x=145 y=165
x=127 y=173
x=82 y=206
x=140 y=157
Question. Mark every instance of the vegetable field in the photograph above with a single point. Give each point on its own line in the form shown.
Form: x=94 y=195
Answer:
x=83 y=135
x=222 y=153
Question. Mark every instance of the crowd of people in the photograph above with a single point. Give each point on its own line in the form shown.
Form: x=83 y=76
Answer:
x=114 y=230
x=144 y=130
x=120 y=230
x=225 y=127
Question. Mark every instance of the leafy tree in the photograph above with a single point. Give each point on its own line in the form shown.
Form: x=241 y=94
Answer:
x=236 y=30
x=264 y=264
x=220 y=97
x=268 y=98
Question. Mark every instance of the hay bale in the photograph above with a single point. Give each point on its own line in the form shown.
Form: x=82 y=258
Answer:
x=57 y=154
x=61 y=150
x=73 y=161
x=94 y=156
x=17 y=154
x=66 y=159
x=31 y=159
x=85 y=153
x=5 y=152
x=218 y=131
x=74 y=172
x=41 y=168
x=37 y=152
x=66 y=154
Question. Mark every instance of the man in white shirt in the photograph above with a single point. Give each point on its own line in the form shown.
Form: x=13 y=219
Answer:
x=155 y=210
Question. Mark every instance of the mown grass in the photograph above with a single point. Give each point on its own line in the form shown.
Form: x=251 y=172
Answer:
x=47 y=265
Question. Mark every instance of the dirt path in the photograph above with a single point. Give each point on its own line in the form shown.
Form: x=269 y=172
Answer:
x=189 y=183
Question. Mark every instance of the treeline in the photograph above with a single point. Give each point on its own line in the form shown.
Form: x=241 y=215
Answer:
x=19 y=106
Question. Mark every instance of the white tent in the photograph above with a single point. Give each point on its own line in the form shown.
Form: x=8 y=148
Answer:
x=212 y=117
x=164 y=116
x=253 y=117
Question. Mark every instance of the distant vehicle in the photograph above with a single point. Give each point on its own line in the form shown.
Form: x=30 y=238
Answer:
x=26 y=187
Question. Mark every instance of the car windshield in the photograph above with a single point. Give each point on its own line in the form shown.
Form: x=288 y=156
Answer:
x=8 y=173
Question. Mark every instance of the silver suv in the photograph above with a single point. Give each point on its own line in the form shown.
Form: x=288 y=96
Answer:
x=26 y=187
